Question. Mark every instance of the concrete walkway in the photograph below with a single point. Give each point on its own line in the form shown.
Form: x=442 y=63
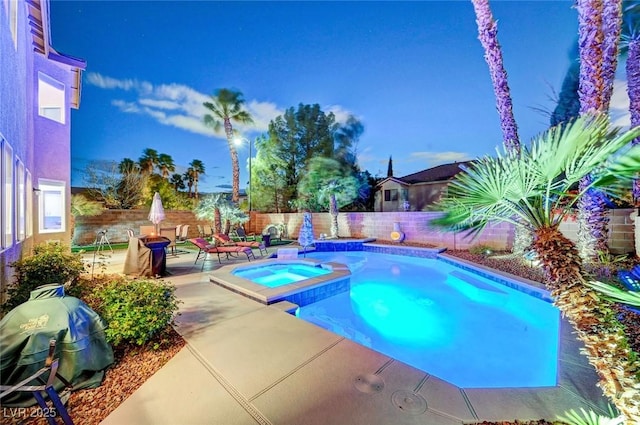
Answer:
x=246 y=363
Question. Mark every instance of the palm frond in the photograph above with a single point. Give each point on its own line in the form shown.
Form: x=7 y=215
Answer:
x=613 y=293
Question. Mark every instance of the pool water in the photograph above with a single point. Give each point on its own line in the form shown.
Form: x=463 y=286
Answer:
x=274 y=275
x=444 y=320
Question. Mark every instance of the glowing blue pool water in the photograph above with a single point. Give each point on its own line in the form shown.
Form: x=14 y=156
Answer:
x=274 y=275
x=444 y=320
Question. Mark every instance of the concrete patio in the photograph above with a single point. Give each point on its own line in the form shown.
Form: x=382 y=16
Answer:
x=247 y=363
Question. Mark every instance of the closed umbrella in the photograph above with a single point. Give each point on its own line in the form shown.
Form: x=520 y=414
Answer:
x=156 y=214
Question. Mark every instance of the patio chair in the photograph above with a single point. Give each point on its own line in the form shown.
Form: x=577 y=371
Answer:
x=225 y=240
x=274 y=233
x=208 y=231
x=205 y=250
x=184 y=232
x=45 y=377
x=130 y=234
x=243 y=235
x=169 y=233
x=147 y=230
x=200 y=231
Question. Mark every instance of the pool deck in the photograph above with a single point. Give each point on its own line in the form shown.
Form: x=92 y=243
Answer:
x=248 y=363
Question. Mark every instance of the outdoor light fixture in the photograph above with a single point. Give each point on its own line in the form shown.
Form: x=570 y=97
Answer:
x=239 y=141
x=36 y=191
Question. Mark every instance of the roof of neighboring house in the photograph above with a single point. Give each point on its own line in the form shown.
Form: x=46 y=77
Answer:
x=439 y=173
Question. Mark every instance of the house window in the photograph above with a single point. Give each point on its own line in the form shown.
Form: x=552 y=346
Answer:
x=7 y=195
x=51 y=102
x=13 y=22
x=391 y=195
x=51 y=206
x=29 y=205
x=21 y=210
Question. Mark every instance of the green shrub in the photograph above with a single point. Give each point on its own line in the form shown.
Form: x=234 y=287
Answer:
x=481 y=249
x=50 y=263
x=135 y=310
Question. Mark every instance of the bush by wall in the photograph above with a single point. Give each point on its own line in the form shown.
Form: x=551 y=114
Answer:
x=50 y=263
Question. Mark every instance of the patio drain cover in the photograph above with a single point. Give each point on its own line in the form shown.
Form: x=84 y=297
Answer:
x=409 y=402
x=369 y=384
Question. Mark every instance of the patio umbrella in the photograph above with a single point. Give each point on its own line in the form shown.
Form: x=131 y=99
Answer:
x=156 y=214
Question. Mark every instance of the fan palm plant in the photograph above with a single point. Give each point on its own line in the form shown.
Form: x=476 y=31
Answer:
x=226 y=106
x=535 y=189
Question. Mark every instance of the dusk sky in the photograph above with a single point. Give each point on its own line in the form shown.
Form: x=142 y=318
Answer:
x=412 y=72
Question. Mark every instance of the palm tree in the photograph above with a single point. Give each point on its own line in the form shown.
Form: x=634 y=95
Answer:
x=534 y=189
x=631 y=42
x=165 y=162
x=488 y=36
x=599 y=34
x=189 y=178
x=177 y=181
x=226 y=106
x=197 y=168
x=127 y=165
x=148 y=160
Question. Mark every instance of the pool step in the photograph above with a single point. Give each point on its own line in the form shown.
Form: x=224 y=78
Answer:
x=477 y=283
x=286 y=306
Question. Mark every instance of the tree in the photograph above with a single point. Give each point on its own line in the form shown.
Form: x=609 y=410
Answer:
x=165 y=162
x=303 y=133
x=327 y=181
x=197 y=167
x=177 y=181
x=128 y=165
x=105 y=182
x=227 y=106
x=488 y=36
x=535 y=189
x=268 y=178
x=390 y=167
x=189 y=177
x=599 y=33
x=209 y=208
x=148 y=160
x=631 y=44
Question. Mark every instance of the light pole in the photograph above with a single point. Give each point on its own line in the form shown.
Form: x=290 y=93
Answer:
x=239 y=141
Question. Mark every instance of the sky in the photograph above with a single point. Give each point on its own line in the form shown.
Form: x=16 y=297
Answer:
x=412 y=72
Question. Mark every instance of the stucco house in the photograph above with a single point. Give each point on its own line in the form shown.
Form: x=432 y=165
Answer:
x=417 y=191
x=38 y=88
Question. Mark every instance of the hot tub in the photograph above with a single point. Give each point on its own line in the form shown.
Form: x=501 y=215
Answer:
x=301 y=282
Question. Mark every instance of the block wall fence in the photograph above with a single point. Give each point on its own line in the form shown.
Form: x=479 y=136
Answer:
x=379 y=225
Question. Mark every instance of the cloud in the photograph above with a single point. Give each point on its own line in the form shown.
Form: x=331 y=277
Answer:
x=437 y=158
x=178 y=105
x=341 y=114
x=619 y=105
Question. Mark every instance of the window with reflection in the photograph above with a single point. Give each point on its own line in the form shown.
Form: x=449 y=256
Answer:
x=51 y=206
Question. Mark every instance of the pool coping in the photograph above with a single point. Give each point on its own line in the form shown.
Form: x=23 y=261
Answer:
x=226 y=278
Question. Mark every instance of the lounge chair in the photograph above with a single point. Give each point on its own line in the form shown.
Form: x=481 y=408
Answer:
x=184 y=232
x=205 y=249
x=170 y=233
x=243 y=235
x=226 y=241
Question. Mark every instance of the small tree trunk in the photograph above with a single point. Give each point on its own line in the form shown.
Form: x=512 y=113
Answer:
x=333 y=209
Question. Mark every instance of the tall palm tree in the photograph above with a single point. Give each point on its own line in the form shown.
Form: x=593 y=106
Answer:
x=599 y=34
x=197 y=167
x=534 y=189
x=488 y=36
x=227 y=106
x=632 y=44
x=165 y=162
x=189 y=179
x=148 y=160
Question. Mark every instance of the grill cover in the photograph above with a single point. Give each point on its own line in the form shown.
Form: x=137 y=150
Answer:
x=25 y=332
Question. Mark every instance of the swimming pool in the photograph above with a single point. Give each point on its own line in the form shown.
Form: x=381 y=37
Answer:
x=275 y=275
x=444 y=320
